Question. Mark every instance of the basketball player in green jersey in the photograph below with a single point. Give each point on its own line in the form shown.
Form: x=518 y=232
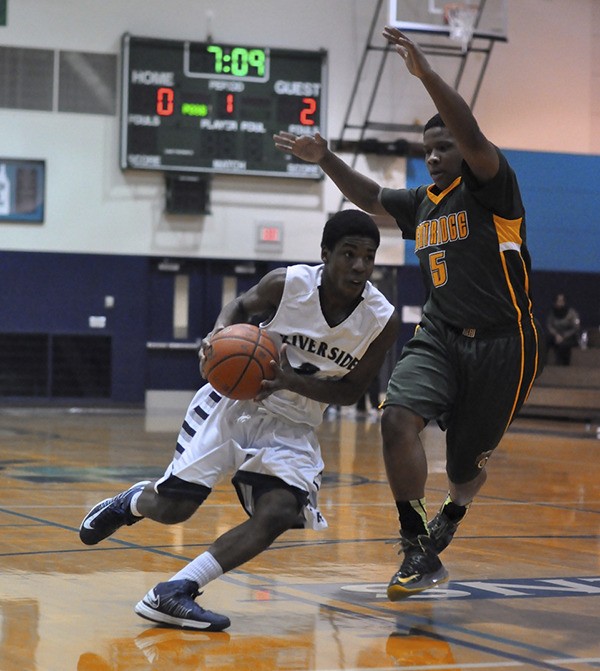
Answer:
x=475 y=354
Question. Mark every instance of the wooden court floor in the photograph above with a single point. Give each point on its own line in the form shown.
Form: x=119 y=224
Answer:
x=524 y=589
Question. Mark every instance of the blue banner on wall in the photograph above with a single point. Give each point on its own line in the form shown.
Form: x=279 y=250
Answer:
x=561 y=201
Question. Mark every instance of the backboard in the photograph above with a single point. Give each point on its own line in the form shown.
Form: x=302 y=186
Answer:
x=428 y=16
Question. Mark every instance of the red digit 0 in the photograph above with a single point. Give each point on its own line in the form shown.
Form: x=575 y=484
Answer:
x=164 y=101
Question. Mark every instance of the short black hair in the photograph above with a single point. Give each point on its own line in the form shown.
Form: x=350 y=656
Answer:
x=349 y=222
x=436 y=121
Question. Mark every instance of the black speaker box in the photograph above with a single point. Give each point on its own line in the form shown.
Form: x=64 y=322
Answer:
x=187 y=193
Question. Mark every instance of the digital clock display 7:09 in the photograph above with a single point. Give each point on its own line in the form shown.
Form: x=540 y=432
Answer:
x=211 y=107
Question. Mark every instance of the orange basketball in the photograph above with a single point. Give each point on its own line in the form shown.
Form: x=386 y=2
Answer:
x=238 y=360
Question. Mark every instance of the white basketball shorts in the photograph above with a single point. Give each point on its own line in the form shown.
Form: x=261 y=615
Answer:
x=221 y=436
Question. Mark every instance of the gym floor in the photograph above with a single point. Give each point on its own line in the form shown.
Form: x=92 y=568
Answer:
x=524 y=588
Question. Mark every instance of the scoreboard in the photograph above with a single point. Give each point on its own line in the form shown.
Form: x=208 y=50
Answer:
x=213 y=108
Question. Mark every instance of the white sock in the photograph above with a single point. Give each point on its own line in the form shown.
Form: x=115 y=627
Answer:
x=202 y=570
x=133 y=504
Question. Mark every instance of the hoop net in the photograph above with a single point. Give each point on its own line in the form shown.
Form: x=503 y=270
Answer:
x=461 y=18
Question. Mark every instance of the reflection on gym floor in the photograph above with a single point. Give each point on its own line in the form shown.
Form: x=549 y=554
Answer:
x=524 y=587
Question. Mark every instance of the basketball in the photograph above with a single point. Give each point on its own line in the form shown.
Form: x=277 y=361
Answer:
x=238 y=361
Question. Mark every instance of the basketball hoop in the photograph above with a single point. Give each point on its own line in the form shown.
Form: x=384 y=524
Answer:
x=461 y=18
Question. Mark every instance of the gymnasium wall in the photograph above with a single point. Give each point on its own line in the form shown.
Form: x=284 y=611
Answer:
x=127 y=300
x=106 y=232
x=537 y=95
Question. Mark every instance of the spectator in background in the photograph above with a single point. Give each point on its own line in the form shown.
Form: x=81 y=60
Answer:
x=563 y=325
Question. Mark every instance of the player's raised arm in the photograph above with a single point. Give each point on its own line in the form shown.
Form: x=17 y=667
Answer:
x=478 y=152
x=357 y=188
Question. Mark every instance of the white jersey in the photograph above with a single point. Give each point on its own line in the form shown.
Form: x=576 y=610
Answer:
x=277 y=439
x=313 y=346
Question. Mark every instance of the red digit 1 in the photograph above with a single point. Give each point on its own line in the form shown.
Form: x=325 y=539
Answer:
x=311 y=108
x=164 y=101
x=229 y=103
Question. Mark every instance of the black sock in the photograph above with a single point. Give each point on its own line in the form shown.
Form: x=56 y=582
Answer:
x=454 y=512
x=413 y=518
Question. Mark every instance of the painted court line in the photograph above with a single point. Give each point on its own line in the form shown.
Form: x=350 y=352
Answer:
x=478 y=665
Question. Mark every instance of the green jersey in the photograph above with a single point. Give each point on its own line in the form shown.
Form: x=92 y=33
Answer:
x=471 y=246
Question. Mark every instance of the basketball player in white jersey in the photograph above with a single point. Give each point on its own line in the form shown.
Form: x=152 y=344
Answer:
x=335 y=328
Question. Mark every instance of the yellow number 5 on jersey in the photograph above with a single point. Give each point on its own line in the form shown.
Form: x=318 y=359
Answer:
x=438 y=268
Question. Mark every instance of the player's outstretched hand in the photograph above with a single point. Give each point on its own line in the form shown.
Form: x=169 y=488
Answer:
x=414 y=58
x=310 y=148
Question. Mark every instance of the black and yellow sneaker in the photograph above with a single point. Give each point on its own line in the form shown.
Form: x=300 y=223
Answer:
x=441 y=531
x=420 y=569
